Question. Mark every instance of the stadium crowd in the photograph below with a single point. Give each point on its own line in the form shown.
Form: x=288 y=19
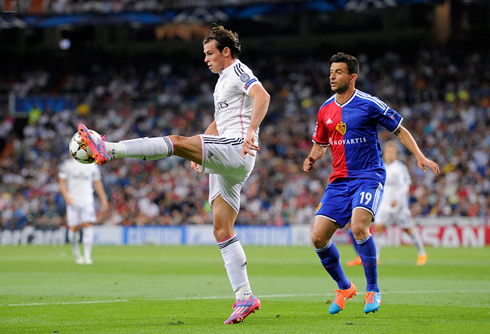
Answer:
x=444 y=99
x=118 y=6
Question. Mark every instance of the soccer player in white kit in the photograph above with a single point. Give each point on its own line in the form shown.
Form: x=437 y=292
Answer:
x=225 y=151
x=394 y=203
x=77 y=183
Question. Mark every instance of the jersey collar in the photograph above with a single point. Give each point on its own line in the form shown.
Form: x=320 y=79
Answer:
x=348 y=101
x=229 y=68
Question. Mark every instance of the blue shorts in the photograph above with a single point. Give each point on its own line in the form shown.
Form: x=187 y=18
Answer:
x=343 y=195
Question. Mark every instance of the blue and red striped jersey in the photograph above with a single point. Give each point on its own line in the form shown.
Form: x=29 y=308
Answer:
x=351 y=131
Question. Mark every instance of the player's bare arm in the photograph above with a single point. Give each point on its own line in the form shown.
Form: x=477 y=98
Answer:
x=317 y=151
x=64 y=192
x=212 y=129
x=260 y=106
x=406 y=139
x=99 y=189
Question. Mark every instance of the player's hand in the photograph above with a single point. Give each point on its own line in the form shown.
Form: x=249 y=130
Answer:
x=249 y=146
x=195 y=166
x=424 y=162
x=105 y=206
x=308 y=164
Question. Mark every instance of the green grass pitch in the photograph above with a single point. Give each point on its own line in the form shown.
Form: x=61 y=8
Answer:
x=152 y=289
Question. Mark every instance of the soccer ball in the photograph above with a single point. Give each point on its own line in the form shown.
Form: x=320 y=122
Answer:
x=79 y=151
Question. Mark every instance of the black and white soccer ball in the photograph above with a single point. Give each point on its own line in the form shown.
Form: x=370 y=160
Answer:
x=79 y=151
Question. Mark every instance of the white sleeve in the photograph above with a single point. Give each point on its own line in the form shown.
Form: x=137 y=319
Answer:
x=244 y=78
x=63 y=174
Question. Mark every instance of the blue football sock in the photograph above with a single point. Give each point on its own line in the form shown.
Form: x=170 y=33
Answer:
x=353 y=241
x=330 y=258
x=367 y=252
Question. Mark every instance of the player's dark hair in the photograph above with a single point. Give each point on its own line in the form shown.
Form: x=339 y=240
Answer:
x=225 y=38
x=351 y=61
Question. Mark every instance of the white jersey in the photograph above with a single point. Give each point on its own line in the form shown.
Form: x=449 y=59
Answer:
x=233 y=105
x=396 y=188
x=80 y=180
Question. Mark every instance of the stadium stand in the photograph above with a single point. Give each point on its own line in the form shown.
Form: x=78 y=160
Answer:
x=444 y=100
x=441 y=87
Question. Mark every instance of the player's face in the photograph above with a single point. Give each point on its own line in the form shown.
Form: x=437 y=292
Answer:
x=390 y=154
x=340 y=78
x=214 y=59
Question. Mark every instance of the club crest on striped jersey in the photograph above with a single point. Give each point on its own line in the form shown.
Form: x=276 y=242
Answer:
x=342 y=128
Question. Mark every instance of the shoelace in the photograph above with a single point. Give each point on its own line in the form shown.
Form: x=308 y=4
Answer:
x=339 y=294
x=369 y=296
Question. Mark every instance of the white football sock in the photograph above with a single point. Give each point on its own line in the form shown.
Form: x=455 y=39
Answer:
x=236 y=266
x=73 y=237
x=417 y=242
x=142 y=148
x=88 y=240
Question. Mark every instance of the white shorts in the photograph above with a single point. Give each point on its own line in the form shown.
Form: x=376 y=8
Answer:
x=79 y=214
x=222 y=159
x=388 y=216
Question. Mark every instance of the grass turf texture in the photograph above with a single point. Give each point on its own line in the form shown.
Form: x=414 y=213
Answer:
x=153 y=289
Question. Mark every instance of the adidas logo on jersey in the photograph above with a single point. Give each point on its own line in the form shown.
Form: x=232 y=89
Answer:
x=210 y=154
x=329 y=121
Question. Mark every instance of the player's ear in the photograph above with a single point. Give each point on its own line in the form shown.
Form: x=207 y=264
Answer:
x=226 y=51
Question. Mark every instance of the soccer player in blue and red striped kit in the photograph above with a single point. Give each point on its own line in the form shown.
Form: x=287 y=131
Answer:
x=347 y=123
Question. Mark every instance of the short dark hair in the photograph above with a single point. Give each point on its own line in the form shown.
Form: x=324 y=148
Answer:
x=351 y=61
x=225 y=38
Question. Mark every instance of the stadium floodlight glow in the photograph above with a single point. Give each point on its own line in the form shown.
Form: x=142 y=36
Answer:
x=65 y=44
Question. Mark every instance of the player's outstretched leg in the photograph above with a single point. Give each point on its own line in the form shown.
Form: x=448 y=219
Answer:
x=373 y=301
x=243 y=308
x=97 y=145
x=341 y=298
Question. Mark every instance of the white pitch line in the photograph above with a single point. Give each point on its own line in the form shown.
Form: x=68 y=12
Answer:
x=72 y=303
x=324 y=294
x=261 y=296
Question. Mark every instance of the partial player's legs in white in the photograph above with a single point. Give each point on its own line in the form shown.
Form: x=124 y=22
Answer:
x=379 y=239
x=417 y=241
x=231 y=249
x=236 y=266
x=189 y=148
x=73 y=237
x=141 y=148
x=88 y=240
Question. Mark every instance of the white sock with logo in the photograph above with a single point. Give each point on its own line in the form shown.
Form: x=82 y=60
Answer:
x=417 y=242
x=88 y=241
x=236 y=266
x=73 y=237
x=141 y=148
